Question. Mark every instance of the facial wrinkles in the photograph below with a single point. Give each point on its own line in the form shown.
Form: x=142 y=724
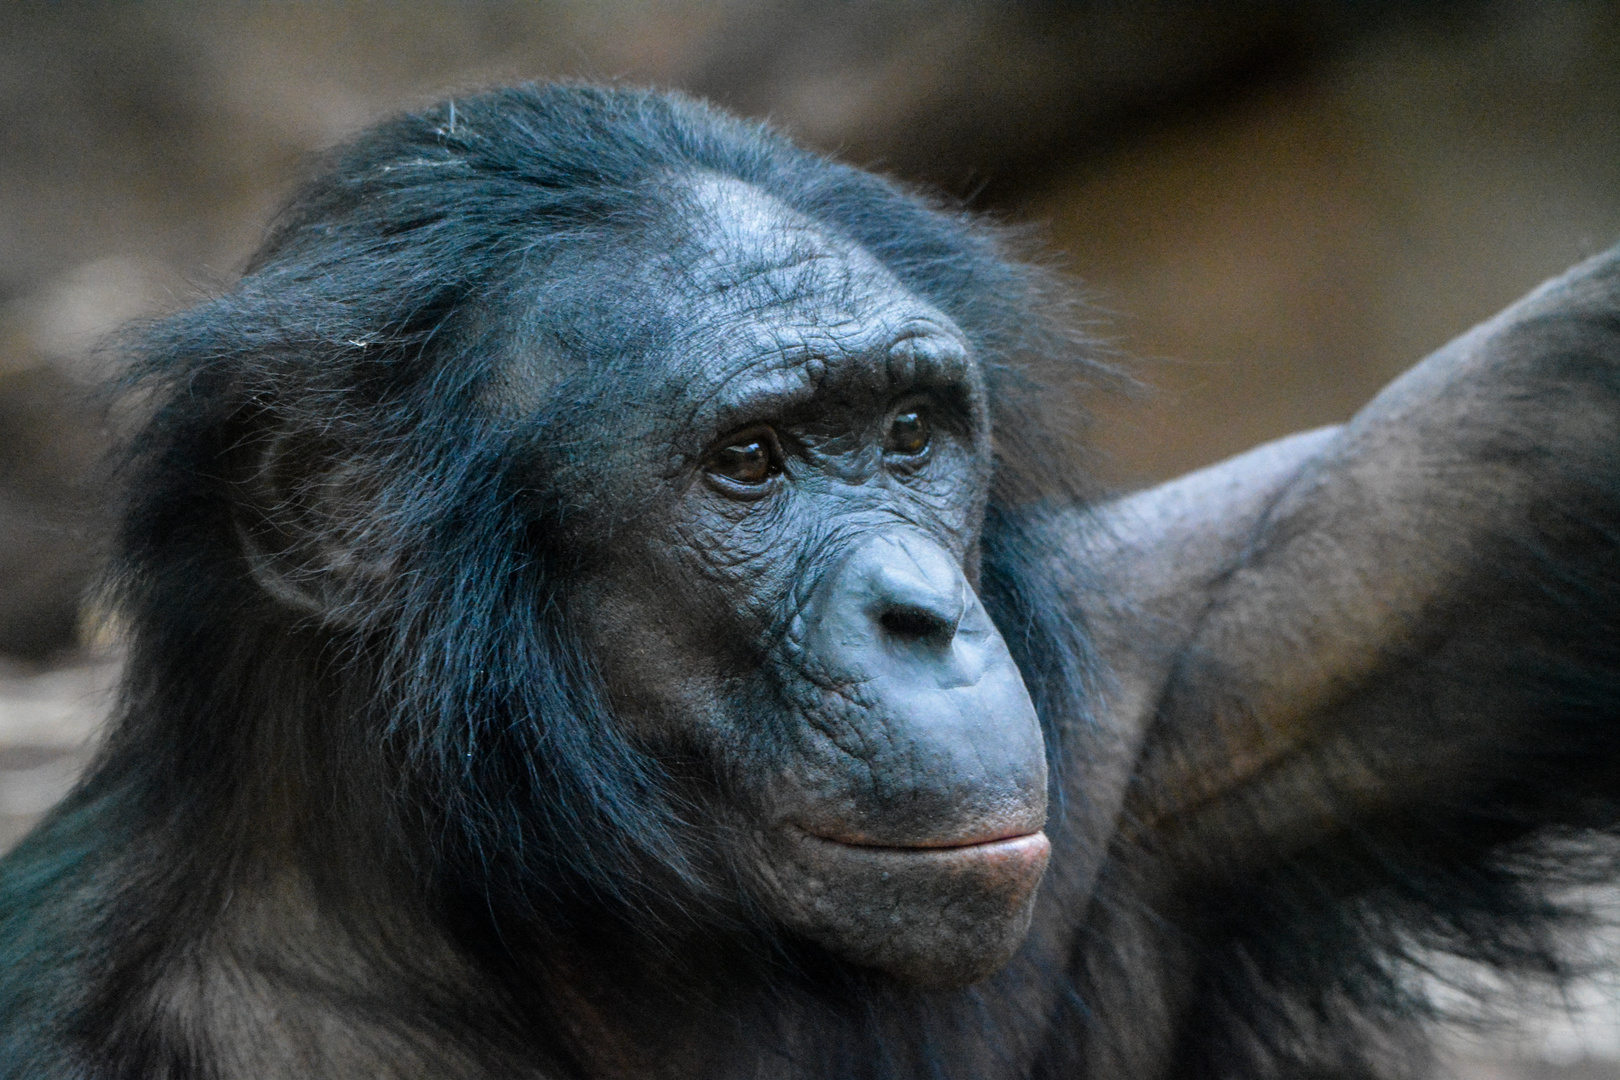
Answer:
x=801 y=309
x=805 y=320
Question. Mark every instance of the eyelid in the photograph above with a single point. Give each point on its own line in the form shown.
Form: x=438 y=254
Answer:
x=762 y=433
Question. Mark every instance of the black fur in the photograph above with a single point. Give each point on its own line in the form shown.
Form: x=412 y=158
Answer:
x=378 y=314
x=451 y=737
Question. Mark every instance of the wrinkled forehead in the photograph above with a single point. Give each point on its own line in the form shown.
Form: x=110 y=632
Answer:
x=731 y=295
x=754 y=253
x=771 y=294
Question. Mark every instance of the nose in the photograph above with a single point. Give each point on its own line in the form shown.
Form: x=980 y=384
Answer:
x=899 y=606
x=916 y=594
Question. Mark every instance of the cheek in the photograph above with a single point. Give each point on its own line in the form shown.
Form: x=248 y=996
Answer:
x=735 y=571
x=954 y=489
x=678 y=631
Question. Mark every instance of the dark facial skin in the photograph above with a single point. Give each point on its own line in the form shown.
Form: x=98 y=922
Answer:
x=783 y=593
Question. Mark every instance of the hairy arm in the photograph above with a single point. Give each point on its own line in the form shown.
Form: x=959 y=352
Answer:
x=1405 y=626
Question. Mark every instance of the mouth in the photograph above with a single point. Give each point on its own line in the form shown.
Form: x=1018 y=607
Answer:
x=1013 y=851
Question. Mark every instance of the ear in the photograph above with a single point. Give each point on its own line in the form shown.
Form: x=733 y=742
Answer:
x=1402 y=619
x=309 y=527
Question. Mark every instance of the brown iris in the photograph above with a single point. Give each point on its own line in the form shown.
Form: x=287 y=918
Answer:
x=908 y=434
x=750 y=460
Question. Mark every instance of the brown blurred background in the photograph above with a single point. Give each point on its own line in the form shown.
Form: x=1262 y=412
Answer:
x=1274 y=207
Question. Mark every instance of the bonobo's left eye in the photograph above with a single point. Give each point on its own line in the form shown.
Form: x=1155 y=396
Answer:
x=908 y=433
x=749 y=460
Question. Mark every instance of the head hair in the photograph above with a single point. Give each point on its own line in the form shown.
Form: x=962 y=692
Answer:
x=368 y=331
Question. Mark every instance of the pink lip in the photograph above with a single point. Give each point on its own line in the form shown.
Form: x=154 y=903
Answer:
x=998 y=845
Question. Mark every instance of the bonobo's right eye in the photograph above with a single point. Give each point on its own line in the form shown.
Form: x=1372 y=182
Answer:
x=908 y=434
x=749 y=460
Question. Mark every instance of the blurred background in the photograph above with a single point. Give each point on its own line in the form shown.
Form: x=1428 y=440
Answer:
x=1273 y=208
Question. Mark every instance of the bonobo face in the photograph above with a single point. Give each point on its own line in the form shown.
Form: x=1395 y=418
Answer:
x=781 y=593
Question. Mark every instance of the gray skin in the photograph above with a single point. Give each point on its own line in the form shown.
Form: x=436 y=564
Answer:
x=882 y=768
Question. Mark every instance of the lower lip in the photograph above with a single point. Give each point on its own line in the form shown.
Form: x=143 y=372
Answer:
x=1029 y=846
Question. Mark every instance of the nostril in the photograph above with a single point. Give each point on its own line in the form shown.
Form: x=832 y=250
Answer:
x=910 y=623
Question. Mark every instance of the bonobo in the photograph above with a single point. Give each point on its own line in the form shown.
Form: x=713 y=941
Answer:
x=613 y=594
